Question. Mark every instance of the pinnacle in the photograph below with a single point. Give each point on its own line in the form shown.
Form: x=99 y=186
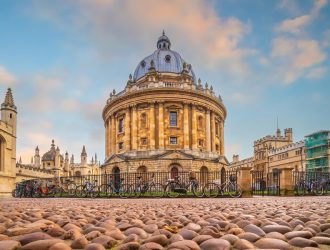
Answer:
x=9 y=100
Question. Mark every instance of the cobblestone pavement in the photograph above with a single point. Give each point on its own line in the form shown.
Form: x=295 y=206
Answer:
x=263 y=222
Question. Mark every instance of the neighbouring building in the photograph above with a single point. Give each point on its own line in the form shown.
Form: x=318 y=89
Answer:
x=289 y=156
x=8 y=125
x=53 y=163
x=318 y=151
x=164 y=119
x=274 y=152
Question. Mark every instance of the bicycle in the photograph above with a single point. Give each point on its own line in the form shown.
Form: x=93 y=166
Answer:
x=48 y=190
x=118 y=188
x=149 y=188
x=303 y=187
x=214 y=189
x=67 y=188
x=87 y=189
x=174 y=187
x=324 y=186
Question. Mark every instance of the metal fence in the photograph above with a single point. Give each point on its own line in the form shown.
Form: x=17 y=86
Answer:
x=311 y=183
x=115 y=180
x=265 y=183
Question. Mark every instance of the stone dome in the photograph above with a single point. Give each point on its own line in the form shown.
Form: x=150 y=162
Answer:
x=51 y=154
x=163 y=60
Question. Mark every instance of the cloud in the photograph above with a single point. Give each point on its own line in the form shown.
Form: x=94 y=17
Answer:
x=6 y=78
x=316 y=73
x=296 y=24
x=212 y=39
x=295 y=56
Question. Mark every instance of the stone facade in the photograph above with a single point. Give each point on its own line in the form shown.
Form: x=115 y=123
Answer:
x=291 y=156
x=8 y=145
x=164 y=120
x=53 y=163
x=272 y=153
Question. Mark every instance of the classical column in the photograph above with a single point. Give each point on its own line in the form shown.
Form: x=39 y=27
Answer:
x=127 y=139
x=222 y=138
x=185 y=126
x=152 y=125
x=212 y=132
x=108 y=137
x=193 y=127
x=106 y=127
x=161 y=125
x=134 y=128
x=113 y=134
x=208 y=131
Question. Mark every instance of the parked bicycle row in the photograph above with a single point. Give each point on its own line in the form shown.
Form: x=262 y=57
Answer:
x=316 y=183
x=124 y=186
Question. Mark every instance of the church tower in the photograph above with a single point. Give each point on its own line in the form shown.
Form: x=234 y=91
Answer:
x=37 y=157
x=83 y=156
x=8 y=126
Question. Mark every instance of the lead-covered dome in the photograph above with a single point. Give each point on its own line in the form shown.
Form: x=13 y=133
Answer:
x=163 y=60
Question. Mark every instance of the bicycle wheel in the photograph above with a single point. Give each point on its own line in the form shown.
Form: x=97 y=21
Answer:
x=156 y=190
x=93 y=191
x=71 y=191
x=105 y=190
x=198 y=190
x=137 y=191
x=125 y=191
x=234 y=190
x=211 y=190
x=172 y=189
x=79 y=191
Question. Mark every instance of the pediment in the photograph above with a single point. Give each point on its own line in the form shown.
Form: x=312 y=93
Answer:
x=176 y=155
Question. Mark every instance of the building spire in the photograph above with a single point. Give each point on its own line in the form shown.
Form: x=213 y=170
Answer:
x=163 y=33
x=9 y=100
x=83 y=151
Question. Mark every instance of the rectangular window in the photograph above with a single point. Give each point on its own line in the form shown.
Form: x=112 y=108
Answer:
x=121 y=125
x=173 y=119
x=120 y=145
x=200 y=142
x=217 y=147
x=143 y=141
x=173 y=140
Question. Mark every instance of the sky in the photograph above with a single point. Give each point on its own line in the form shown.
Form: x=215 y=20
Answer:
x=267 y=59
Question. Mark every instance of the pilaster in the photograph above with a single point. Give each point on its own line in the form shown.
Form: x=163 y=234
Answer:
x=134 y=128
x=185 y=126
x=161 y=125
x=212 y=132
x=152 y=125
x=127 y=139
x=208 y=131
x=222 y=138
x=194 y=126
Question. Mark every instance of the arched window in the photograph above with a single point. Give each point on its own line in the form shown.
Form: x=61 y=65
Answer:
x=143 y=120
x=141 y=169
x=174 y=172
x=200 y=123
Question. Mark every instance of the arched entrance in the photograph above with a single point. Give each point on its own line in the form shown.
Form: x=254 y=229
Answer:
x=204 y=175
x=116 y=177
x=142 y=169
x=78 y=173
x=174 y=171
x=223 y=175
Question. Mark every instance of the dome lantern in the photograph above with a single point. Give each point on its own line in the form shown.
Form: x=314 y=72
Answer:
x=163 y=42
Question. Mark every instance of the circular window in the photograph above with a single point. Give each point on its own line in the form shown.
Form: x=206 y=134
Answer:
x=167 y=58
x=143 y=64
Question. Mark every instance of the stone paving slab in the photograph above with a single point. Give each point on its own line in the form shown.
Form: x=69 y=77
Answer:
x=92 y=224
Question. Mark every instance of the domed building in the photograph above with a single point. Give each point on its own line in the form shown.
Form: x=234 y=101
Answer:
x=164 y=120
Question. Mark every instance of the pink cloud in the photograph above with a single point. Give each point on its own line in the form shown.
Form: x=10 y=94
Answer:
x=6 y=78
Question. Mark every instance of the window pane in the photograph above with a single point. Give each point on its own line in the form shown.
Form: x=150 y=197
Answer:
x=173 y=140
x=173 y=119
